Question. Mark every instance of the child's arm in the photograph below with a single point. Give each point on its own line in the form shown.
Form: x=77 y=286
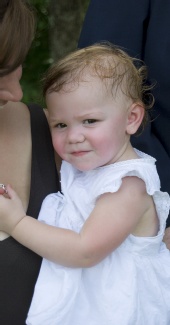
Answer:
x=115 y=216
x=166 y=238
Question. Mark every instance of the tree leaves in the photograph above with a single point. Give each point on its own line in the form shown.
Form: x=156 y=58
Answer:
x=58 y=27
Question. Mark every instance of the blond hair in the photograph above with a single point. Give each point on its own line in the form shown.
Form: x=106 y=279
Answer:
x=116 y=69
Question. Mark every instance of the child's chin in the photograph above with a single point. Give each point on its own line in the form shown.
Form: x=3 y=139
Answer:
x=85 y=168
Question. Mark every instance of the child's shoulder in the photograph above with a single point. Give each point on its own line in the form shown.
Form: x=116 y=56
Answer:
x=142 y=172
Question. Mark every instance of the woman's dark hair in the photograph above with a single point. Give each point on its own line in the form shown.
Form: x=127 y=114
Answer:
x=17 y=29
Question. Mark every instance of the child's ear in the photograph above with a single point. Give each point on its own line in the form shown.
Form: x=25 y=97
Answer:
x=135 y=117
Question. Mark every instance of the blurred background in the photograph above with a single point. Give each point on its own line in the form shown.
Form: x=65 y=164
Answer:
x=59 y=24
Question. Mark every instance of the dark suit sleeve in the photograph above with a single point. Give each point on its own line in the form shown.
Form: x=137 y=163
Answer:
x=141 y=28
x=121 y=22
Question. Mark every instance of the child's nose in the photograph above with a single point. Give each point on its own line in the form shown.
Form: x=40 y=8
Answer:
x=75 y=135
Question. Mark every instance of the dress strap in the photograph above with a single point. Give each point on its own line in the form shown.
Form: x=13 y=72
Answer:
x=44 y=178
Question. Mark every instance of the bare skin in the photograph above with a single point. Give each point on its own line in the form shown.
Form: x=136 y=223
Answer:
x=109 y=221
x=166 y=238
x=15 y=134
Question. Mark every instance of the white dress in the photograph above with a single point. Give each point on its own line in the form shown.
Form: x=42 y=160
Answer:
x=129 y=287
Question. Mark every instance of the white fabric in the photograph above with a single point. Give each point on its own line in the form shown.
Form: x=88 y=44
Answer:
x=129 y=287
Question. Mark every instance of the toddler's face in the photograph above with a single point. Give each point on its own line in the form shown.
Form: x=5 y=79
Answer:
x=88 y=125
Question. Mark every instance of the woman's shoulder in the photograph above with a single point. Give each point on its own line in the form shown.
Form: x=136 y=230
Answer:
x=17 y=113
x=26 y=112
x=25 y=119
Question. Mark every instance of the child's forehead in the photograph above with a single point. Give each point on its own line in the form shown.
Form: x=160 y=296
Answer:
x=84 y=81
x=88 y=92
x=106 y=75
x=91 y=89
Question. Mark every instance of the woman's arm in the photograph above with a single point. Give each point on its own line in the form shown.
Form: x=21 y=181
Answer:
x=114 y=217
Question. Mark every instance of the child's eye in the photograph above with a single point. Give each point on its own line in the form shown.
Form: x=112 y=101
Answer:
x=89 y=121
x=60 y=126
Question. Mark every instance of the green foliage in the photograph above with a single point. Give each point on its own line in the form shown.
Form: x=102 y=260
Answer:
x=38 y=59
x=48 y=42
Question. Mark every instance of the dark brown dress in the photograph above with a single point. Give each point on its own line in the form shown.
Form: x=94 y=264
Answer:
x=19 y=267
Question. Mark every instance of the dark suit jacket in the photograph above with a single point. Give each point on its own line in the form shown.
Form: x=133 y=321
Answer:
x=142 y=28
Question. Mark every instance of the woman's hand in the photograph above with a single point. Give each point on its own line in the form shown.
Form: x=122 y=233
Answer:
x=3 y=189
x=11 y=211
x=166 y=238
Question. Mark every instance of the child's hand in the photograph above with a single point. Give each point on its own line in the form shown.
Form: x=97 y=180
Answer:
x=11 y=211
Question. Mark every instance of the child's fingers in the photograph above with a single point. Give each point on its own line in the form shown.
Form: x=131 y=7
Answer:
x=8 y=190
x=13 y=196
x=3 y=189
x=11 y=193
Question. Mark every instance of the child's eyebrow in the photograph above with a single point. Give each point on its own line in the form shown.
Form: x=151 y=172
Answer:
x=91 y=114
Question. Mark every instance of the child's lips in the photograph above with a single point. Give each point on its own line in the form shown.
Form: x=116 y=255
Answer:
x=80 y=153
